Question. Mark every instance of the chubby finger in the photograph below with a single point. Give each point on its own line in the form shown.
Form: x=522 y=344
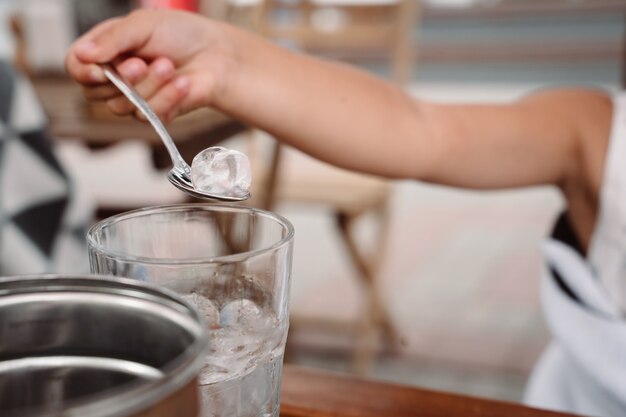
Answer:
x=113 y=38
x=86 y=74
x=100 y=92
x=160 y=72
x=134 y=70
x=165 y=102
x=98 y=29
x=201 y=88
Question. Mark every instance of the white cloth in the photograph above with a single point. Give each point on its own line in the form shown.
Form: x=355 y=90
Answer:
x=584 y=368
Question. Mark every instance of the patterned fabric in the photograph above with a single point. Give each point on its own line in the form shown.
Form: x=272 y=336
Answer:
x=42 y=220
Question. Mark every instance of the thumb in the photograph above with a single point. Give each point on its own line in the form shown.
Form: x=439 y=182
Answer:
x=114 y=37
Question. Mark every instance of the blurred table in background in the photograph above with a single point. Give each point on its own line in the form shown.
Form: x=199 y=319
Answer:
x=71 y=117
x=309 y=393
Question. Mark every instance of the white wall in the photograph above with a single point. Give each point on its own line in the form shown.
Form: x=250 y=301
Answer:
x=48 y=29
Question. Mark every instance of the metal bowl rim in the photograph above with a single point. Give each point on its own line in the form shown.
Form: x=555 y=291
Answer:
x=141 y=396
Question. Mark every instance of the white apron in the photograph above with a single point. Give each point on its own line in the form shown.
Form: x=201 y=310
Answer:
x=584 y=300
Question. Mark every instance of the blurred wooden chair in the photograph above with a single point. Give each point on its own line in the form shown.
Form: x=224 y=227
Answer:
x=288 y=177
x=342 y=29
x=345 y=29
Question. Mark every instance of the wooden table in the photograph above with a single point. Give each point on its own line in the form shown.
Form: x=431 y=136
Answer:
x=312 y=393
x=71 y=117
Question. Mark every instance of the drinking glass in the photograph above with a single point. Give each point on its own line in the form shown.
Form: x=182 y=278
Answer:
x=234 y=264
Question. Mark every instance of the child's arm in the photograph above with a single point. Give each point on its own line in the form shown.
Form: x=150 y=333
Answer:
x=344 y=116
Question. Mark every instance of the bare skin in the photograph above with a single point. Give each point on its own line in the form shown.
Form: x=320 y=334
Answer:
x=180 y=62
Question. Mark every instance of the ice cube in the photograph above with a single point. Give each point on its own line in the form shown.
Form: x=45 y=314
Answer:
x=221 y=171
x=241 y=312
x=206 y=308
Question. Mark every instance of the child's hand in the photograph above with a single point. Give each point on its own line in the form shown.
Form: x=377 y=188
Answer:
x=177 y=61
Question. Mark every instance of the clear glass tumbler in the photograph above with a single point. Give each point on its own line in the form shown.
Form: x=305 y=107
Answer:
x=234 y=264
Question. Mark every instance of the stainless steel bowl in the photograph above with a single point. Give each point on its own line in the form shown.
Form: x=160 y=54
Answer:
x=98 y=347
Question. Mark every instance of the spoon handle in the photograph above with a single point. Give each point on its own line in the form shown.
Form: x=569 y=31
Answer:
x=135 y=98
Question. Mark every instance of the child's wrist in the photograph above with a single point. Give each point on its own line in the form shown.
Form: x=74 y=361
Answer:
x=225 y=62
x=230 y=62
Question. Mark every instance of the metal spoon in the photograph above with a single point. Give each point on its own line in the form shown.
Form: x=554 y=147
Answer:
x=180 y=174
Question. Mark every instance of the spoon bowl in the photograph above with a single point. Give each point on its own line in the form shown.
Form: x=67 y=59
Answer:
x=180 y=174
x=182 y=181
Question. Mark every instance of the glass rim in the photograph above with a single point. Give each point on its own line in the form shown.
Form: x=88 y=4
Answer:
x=232 y=258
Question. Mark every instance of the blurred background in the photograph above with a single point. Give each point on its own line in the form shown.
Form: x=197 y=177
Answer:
x=398 y=281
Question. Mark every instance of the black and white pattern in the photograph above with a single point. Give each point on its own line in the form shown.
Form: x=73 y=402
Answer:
x=42 y=219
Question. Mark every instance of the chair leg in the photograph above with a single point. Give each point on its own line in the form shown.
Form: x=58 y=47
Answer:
x=375 y=318
x=269 y=193
x=403 y=59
